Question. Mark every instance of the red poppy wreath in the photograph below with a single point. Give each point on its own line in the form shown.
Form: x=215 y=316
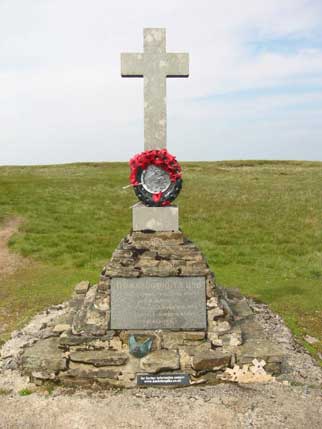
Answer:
x=156 y=177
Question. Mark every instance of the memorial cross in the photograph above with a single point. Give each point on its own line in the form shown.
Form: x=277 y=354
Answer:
x=155 y=65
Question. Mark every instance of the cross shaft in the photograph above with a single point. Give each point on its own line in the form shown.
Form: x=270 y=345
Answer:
x=155 y=65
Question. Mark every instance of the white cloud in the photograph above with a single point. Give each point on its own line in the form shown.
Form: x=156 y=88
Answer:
x=62 y=98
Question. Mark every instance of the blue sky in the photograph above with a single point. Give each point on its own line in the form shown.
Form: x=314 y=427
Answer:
x=254 y=91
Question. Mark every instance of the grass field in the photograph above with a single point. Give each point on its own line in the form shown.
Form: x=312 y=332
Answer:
x=259 y=223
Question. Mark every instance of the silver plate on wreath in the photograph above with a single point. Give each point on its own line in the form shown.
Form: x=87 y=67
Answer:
x=154 y=179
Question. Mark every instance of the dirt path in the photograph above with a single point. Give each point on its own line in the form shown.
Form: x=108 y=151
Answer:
x=9 y=262
x=223 y=406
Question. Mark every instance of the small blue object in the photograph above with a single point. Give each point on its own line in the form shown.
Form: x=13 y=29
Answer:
x=140 y=350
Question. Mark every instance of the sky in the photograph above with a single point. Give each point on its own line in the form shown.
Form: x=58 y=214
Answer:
x=254 y=91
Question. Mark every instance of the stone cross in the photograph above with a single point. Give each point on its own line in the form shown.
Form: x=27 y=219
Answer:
x=155 y=65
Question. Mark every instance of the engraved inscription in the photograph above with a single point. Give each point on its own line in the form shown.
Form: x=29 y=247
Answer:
x=158 y=303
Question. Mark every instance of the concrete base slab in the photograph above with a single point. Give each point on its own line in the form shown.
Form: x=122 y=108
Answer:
x=155 y=218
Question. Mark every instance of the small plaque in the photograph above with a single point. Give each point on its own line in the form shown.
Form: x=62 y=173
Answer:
x=158 y=303
x=163 y=380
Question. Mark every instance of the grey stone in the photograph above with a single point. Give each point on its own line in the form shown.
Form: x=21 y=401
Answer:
x=226 y=308
x=155 y=218
x=311 y=340
x=83 y=371
x=155 y=65
x=215 y=340
x=100 y=357
x=67 y=339
x=174 y=339
x=211 y=360
x=44 y=355
x=47 y=333
x=210 y=285
x=210 y=378
x=233 y=293
x=43 y=375
x=219 y=327
x=82 y=287
x=259 y=349
x=160 y=360
x=61 y=328
x=195 y=349
x=93 y=316
x=241 y=309
x=251 y=329
x=158 y=303
x=233 y=339
x=79 y=322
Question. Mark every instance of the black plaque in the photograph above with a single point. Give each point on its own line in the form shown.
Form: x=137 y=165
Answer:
x=163 y=380
x=158 y=303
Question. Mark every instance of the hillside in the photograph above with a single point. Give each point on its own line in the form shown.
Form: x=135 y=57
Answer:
x=258 y=222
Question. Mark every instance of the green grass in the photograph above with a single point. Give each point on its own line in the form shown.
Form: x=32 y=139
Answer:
x=25 y=392
x=259 y=224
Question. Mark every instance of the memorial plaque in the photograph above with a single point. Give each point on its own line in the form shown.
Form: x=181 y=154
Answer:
x=158 y=303
x=163 y=380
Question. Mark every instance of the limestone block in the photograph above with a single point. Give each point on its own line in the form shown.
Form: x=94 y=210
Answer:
x=207 y=378
x=116 y=344
x=67 y=339
x=214 y=314
x=220 y=327
x=251 y=329
x=44 y=355
x=193 y=350
x=155 y=218
x=99 y=358
x=241 y=309
x=233 y=293
x=43 y=375
x=211 y=360
x=48 y=333
x=61 y=328
x=232 y=339
x=160 y=360
x=213 y=337
x=210 y=286
x=83 y=371
x=96 y=344
x=93 y=317
x=174 y=339
x=259 y=349
x=185 y=361
x=212 y=303
x=82 y=287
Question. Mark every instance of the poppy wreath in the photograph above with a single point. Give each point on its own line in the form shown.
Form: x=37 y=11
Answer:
x=161 y=159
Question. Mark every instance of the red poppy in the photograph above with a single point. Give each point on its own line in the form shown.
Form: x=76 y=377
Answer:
x=160 y=158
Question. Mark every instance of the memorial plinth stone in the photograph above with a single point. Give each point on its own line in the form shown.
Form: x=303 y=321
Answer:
x=155 y=218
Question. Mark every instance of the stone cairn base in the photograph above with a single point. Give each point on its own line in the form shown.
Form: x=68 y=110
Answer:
x=78 y=348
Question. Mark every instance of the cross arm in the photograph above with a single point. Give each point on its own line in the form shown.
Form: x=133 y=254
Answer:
x=132 y=65
x=178 y=65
